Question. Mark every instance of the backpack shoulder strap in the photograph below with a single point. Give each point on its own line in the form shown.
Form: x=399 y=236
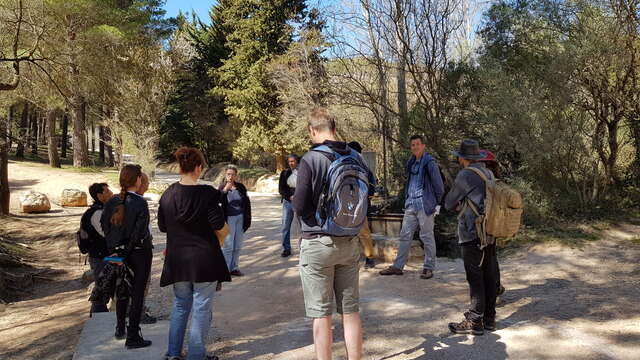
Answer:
x=479 y=172
x=326 y=151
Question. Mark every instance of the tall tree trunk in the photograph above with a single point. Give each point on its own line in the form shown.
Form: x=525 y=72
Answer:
x=93 y=136
x=54 y=159
x=9 y=127
x=80 y=152
x=101 y=140
x=4 y=167
x=34 y=131
x=65 y=135
x=108 y=148
x=22 y=131
x=401 y=77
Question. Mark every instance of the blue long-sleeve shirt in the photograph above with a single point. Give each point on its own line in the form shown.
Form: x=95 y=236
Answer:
x=425 y=183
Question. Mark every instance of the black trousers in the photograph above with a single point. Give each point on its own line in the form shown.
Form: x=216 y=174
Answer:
x=140 y=263
x=482 y=279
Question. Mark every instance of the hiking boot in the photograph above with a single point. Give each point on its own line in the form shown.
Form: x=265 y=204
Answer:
x=121 y=333
x=286 y=253
x=135 y=340
x=147 y=319
x=467 y=326
x=426 y=274
x=236 y=272
x=391 y=270
x=489 y=324
x=369 y=263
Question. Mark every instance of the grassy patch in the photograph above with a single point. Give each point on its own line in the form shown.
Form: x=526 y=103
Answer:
x=568 y=235
x=635 y=241
x=10 y=248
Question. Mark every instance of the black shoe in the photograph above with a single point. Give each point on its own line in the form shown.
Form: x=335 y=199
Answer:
x=147 y=319
x=135 y=340
x=236 y=273
x=426 y=274
x=467 y=326
x=489 y=324
x=121 y=333
x=391 y=270
x=369 y=263
x=501 y=290
x=286 y=253
x=211 y=357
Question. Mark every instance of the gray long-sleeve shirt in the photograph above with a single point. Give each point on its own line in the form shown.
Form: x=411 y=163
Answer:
x=467 y=185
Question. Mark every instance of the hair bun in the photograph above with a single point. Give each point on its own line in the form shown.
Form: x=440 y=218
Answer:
x=189 y=158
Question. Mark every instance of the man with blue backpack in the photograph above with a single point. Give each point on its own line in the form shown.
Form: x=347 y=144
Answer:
x=331 y=198
x=423 y=194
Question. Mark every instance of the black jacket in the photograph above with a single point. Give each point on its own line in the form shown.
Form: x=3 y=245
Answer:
x=246 y=205
x=190 y=215
x=134 y=231
x=283 y=188
x=98 y=244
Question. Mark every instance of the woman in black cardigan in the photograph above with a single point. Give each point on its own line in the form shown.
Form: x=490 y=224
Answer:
x=125 y=222
x=237 y=208
x=190 y=213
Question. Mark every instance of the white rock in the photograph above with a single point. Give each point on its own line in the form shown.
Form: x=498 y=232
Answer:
x=34 y=202
x=73 y=197
x=267 y=184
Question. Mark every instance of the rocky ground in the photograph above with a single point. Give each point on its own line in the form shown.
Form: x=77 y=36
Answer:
x=561 y=303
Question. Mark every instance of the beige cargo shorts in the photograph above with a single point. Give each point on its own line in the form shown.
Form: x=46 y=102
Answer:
x=328 y=269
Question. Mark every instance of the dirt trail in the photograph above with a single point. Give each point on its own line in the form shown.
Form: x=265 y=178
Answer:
x=561 y=303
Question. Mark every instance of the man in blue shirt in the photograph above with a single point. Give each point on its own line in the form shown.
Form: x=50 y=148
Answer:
x=422 y=195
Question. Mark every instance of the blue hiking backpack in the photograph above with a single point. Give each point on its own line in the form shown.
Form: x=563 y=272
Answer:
x=342 y=206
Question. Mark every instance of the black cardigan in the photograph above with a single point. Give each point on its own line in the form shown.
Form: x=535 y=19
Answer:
x=134 y=231
x=246 y=204
x=190 y=215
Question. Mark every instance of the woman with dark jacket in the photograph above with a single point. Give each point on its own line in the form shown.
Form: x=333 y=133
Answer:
x=125 y=222
x=237 y=208
x=190 y=213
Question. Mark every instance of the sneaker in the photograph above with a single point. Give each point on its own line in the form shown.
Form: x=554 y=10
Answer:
x=286 y=253
x=489 y=324
x=369 y=263
x=467 y=326
x=147 y=319
x=426 y=274
x=167 y=357
x=121 y=333
x=236 y=272
x=391 y=270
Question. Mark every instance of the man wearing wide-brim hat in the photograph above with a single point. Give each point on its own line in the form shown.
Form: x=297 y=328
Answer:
x=480 y=264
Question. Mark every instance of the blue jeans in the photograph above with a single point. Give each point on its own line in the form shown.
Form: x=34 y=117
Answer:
x=287 y=219
x=410 y=222
x=233 y=242
x=198 y=296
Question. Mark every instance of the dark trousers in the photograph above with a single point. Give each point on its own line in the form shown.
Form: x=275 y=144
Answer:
x=482 y=279
x=97 y=264
x=140 y=263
